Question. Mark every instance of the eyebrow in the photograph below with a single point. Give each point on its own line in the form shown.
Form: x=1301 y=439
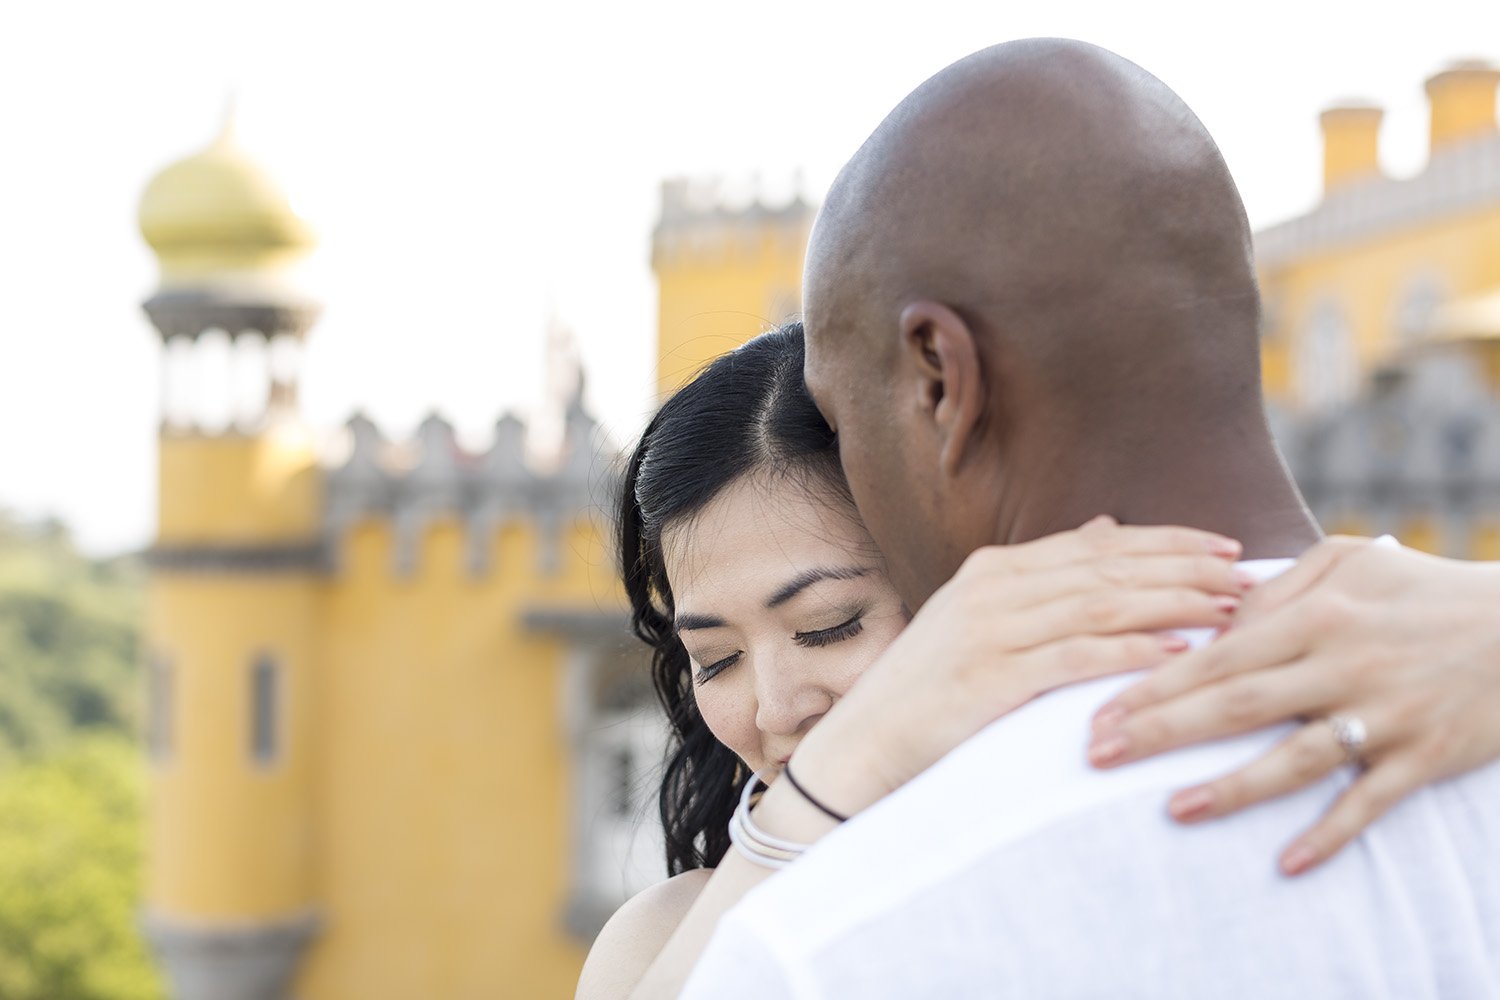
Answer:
x=687 y=621
x=803 y=580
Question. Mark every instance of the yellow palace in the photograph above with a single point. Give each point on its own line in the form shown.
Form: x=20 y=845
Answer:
x=401 y=745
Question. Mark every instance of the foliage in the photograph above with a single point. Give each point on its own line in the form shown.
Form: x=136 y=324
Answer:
x=69 y=629
x=72 y=781
x=70 y=872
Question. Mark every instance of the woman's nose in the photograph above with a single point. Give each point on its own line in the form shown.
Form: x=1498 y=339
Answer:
x=788 y=701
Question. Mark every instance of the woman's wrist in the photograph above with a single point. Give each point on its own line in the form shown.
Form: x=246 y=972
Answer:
x=845 y=772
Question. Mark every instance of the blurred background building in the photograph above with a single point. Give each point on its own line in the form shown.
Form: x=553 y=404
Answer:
x=401 y=743
x=1382 y=327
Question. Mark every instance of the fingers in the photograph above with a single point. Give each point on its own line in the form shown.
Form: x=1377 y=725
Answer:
x=1306 y=756
x=1199 y=572
x=1098 y=538
x=1114 y=611
x=1365 y=801
x=1234 y=706
x=1312 y=567
x=1273 y=641
x=1086 y=657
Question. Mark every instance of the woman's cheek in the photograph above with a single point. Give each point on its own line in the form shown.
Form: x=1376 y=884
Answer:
x=729 y=714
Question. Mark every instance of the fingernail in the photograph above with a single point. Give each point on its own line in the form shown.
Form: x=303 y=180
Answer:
x=1298 y=859
x=1228 y=605
x=1107 y=751
x=1190 y=804
x=1227 y=547
x=1244 y=580
x=1174 y=643
x=1108 y=717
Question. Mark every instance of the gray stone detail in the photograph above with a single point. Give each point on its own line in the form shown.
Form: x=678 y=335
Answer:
x=241 y=961
x=434 y=477
x=268 y=312
x=1459 y=180
x=433 y=488
x=246 y=559
x=586 y=913
x=590 y=625
x=697 y=221
x=1421 y=442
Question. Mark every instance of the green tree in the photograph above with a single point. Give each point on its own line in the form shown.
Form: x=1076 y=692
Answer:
x=70 y=875
x=69 y=632
x=72 y=782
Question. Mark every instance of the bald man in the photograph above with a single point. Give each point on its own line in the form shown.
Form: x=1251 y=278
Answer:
x=1030 y=298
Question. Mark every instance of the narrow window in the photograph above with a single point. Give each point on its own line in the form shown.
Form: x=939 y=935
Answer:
x=264 y=684
x=622 y=782
x=159 y=707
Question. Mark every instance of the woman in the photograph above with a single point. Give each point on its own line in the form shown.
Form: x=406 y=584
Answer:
x=764 y=600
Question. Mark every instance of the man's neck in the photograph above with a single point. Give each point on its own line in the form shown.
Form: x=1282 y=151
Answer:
x=1239 y=488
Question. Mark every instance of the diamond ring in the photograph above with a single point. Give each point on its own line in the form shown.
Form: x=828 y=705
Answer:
x=1351 y=733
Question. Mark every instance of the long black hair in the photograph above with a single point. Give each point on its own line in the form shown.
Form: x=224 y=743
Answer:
x=747 y=412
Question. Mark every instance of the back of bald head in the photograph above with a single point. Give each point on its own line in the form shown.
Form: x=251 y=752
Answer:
x=1070 y=208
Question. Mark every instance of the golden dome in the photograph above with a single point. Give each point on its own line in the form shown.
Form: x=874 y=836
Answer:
x=217 y=211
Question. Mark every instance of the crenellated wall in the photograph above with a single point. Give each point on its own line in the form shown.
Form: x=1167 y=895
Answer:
x=460 y=591
x=433 y=479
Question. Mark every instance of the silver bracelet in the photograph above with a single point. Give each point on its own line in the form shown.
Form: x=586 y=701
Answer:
x=753 y=843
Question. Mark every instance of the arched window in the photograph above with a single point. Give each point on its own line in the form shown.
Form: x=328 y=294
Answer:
x=1416 y=308
x=1327 y=373
x=159 y=707
x=265 y=695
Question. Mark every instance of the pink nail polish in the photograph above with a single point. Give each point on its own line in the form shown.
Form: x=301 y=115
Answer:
x=1226 y=547
x=1108 y=717
x=1244 y=580
x=1228 y=605
x=1191 y=804
x=1174 y=644
x=1107 y=751
x=1298 y=859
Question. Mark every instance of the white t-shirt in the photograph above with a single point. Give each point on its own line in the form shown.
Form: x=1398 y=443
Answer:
x=1013 y=869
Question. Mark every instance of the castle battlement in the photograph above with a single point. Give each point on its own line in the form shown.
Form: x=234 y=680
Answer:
x=413 y=484
x=702 y=219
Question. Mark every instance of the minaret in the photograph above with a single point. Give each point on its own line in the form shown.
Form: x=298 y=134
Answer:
x=229 y=636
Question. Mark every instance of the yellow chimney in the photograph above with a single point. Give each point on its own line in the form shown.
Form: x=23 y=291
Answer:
x=1351 y=139
x=1462 y=98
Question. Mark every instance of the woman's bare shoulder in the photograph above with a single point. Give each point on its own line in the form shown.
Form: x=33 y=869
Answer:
x=636 y=934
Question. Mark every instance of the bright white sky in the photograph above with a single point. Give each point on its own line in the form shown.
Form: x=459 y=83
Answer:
x=475 y=167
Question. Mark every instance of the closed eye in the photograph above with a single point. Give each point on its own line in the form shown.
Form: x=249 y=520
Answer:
x=827 y=636
x=708 y=673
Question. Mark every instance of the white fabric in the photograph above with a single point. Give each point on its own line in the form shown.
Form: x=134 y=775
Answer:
x=1013 y=869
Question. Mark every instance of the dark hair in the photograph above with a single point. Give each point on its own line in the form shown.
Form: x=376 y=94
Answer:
x=747 y=412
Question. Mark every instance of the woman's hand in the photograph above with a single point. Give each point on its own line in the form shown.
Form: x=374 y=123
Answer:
x=1406 y=642
x=1014 y=622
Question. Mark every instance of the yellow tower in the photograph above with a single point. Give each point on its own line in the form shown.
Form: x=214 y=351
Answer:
x=230 y=631
x=723 y=274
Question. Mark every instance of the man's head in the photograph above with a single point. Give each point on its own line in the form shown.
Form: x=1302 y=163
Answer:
x=1038 y=258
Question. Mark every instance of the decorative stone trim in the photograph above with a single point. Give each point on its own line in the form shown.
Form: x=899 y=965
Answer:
x=240 y=961
x=585 y=624
x=190 y=313
x=1458 y=180
x=433 y=478
x=252 y=559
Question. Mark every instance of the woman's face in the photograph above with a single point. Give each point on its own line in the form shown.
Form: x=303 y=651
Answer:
x=782 y=602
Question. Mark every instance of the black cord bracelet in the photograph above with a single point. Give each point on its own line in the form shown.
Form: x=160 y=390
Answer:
x=787 y=771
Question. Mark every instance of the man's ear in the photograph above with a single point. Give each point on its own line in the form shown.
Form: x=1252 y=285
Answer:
x=941 y=349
